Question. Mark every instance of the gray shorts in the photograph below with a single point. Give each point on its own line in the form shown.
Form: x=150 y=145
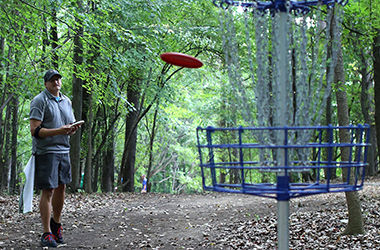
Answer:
x=52 y=170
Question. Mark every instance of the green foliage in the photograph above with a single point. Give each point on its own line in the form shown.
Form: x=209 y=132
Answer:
x=122 y=40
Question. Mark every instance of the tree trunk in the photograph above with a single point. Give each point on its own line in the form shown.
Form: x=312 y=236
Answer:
x=151 y=143
x=5 y=161
x=92 y=161
x=325 y=151
x=45 y=38
x=329 y=112
x=376 y=69
x=88 y=168
x=365 y=100
x=294 y=81
x=108 y=163
x=2 y=100
x=77 y=106
x=54 y=36
x=224 y=140
x=96 y=165
x=355 y=219
x=5 y=128
x=129 y=154
x=13 y=167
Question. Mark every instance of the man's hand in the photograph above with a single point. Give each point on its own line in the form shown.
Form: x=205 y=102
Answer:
x=74 y=127
x=67 y=129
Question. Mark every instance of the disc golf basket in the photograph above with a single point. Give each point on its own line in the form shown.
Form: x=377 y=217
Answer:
x=284 y=157
x=238 y=160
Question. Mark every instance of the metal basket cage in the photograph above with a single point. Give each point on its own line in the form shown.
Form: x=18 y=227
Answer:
x=283 y=163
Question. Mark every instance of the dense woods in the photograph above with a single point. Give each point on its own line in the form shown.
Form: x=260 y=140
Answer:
x=140 y=113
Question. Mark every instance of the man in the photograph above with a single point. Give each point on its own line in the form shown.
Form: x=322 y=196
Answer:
x=51 y=116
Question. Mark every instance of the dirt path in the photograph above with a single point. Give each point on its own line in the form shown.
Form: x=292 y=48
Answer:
x=203 y=221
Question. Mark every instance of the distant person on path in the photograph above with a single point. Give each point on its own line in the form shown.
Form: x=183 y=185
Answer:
x=144 y=182
x=51 y=116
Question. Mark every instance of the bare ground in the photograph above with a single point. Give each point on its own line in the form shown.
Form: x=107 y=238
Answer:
x=201 y=221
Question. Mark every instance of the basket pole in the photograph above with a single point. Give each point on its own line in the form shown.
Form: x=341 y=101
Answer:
x=282 y=205
x=283 y=225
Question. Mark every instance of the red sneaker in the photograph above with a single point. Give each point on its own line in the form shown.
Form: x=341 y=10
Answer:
x=47 y=240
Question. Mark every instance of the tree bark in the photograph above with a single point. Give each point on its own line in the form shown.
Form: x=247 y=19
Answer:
x=77 y=106
x=5 y=131
x=5 y=161
x=2 y=100
x=355 y=219
x=129 y=154
x=376 y=67
x=151 y=143
x=108 y=169
x=328 y=120
x=88 y=168
x=365 y=100
x=13 y=167
x=45 y=39
x=54 y=36
x=222 y=123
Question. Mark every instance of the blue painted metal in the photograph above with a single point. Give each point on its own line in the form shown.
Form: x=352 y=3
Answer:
x=297 y=7
x=216 y=160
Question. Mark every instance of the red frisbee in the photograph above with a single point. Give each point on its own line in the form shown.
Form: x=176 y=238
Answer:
x=181 y=60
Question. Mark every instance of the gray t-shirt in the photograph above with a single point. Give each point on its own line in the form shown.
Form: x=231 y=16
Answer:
x=54 y=114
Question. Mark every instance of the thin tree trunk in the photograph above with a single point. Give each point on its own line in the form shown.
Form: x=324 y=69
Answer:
x=108 y=169
x=5 y=161
x=54 y=36
x=151 y=143
x=96 y=165
x=45 y=39
x=77 y=106
x=5 y=131
x=222 y=124
x=2 y=100
x=329 y=117
x=376 y=69
x=365 y=100
x=294 y=81
x=13 y=168
x=88 y=168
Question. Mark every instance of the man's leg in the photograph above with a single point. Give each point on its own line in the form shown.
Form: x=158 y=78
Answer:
x=43 y=179
x=45 y=208
x=58 y=201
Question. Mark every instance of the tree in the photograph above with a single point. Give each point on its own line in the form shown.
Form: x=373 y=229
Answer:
x=129 y=155
x=355 y=219
x=10 y=101
x=376 y=69
x=77 y=90
x=358 y=36
x=109 y=52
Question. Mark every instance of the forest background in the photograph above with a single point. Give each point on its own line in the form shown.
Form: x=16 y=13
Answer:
x=141 y=114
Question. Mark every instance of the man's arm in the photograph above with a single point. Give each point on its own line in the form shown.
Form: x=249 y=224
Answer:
x=46 y=132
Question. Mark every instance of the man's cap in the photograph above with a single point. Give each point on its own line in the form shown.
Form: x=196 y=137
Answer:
x=50 y=73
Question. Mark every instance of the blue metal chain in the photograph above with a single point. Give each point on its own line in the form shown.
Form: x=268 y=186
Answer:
x=297 y=7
